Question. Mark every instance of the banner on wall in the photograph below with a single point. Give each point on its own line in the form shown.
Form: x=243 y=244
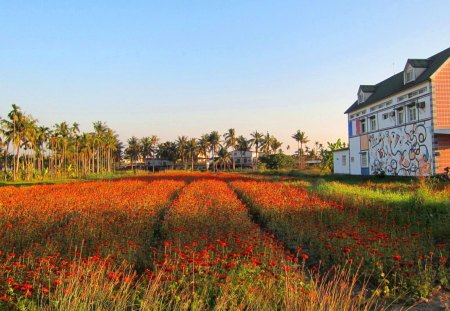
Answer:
x=354 y=127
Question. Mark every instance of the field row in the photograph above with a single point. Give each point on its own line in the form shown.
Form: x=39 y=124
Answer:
x=202 y=241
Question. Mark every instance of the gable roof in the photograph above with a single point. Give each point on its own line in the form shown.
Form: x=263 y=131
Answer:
x=395 y=83
x=418 y=63
x=367 y=88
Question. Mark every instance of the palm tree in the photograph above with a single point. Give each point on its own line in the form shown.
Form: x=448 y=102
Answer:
x=182 y=150
x=265 y=145
x=275 y=144
x=167 y=150
x=192 y=150
x=231 y=142
x=75 y=131
x=243 y=145
x=146 y=147
x=256 y=141
x=133 y=150
x=214 y=141
x=301 y=138
x=203 y=146
x=15 y=128
x=223 y=157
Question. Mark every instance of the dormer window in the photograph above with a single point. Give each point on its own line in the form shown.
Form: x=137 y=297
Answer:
x=409 y=74
x=360 y=97
x=364 y=92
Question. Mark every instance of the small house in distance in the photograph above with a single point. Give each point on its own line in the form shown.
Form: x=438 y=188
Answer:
x=341 y=161
x=401 y=126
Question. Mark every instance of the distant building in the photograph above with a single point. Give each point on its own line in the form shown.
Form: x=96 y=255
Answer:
x=401 y=126
x=244 y=158
x=158 y=164
x=341 y=161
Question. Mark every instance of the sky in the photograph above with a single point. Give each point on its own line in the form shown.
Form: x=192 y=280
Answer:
x=171 y=68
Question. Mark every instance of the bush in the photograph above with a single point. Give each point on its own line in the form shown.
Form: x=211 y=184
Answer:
x=277 y=161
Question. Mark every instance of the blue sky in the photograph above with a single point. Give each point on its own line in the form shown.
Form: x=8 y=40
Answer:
x=189 y=67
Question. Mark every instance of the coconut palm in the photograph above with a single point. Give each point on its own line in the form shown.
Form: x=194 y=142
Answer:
x=203 y=146
x=231 y=142
x=223 y=157
x=256 y=141
x=192 y=150
x=301 y=138
x=243 y=145
x=133 y=151
x=182 y=150
x=214 y=141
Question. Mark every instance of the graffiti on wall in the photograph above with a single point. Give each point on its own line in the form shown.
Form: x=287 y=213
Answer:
x=403 y=151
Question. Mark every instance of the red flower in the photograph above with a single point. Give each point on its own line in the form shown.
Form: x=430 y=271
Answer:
x=397 y=257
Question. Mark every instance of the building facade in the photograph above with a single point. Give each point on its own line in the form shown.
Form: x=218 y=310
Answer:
x=401 y=126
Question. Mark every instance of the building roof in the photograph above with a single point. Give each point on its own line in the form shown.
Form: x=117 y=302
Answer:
x=395 y=83
x=418 y=63
x=367 y=88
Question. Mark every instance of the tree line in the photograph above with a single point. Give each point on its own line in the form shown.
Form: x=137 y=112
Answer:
x=30 y=150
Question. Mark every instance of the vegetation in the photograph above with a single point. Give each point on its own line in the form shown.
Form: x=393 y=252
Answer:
x=58 y=152
x=169 y=241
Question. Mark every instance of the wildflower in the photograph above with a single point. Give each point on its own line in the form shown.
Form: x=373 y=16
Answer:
x=397 y=257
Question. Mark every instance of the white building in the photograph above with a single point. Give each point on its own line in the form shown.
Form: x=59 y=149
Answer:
x=341 y=160
x=244 y=158
x=402 y=125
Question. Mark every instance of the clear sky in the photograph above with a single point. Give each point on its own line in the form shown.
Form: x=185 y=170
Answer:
x=189 y=67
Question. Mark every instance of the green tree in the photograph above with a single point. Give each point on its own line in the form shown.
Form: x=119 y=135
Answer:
x=133 y=150
x=327 y=154
x=214 y=141
x=231 y=142
x=301 y=138
x=278 y=161
x=256 y=141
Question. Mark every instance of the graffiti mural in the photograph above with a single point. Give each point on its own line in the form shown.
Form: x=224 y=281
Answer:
x=403 y=151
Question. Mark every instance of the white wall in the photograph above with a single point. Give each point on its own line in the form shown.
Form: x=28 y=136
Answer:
x=339 y=167
x=355 y=156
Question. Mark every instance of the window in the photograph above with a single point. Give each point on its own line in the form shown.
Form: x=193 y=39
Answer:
x=373 y=124
x=401 y=98
x=363 y=126
x=364 y=159
x=400 y=116
x=409 y=75
x=422 y=90
x=360 y=97
x=385 y=116
x=412 y=113
x=344 y=160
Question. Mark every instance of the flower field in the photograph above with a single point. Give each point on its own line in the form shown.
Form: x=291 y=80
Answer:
x=201 y=241
x=399 y=260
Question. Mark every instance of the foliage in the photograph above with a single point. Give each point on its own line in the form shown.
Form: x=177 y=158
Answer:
x=278 y=161
x=327 y=154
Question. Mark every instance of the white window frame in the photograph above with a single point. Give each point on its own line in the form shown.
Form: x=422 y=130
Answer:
x=344 y=160
x=410 y=110
x=409 y=74
x=400 y=116
x=373 y=124
x=364 y=159
x=363 y=126
x=360 y=97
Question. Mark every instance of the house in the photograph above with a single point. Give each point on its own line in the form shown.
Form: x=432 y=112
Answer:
x=401 y=126
x=158 y=164
x=244 y=158
x=341 y=161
